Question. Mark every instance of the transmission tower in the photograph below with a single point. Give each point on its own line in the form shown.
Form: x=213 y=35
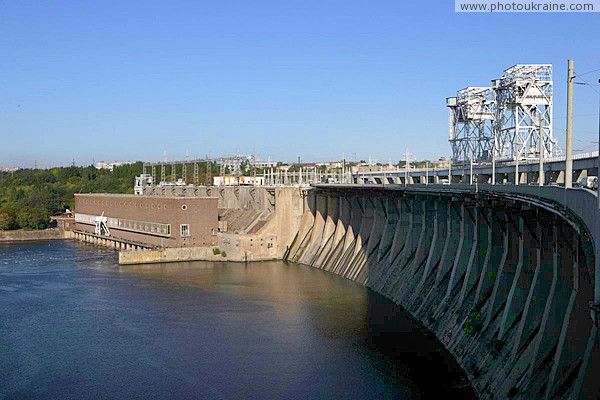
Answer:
x=523 y=99
x=163 y=172
x=208 y=172
x=471 y=118
x=184 y=167
x=196 y=172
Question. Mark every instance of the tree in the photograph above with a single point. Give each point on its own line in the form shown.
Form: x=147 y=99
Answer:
x=29 y=196
x=33 y=218
x=7 y=221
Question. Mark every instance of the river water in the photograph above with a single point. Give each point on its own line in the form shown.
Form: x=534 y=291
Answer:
x=73 y=324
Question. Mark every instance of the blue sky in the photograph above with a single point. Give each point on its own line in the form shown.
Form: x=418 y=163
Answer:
x=127 y=80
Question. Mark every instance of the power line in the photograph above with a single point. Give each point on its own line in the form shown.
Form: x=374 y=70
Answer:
x=589 y=72
x=577 y=116
x=590 y=85
x=587 y=141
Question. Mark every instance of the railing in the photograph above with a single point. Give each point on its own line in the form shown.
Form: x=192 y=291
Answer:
x=154 y=228
x=479 y=165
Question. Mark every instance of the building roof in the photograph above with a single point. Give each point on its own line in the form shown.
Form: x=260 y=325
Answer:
x=136 y=196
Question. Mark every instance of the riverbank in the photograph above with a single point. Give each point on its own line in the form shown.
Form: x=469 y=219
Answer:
x=23 y=235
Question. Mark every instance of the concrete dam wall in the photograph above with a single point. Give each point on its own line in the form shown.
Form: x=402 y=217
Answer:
x=504 y=284
x=231 y=197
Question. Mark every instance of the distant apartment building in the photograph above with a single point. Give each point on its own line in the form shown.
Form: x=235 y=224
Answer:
x=111 y=164
x=152 y=220
x=443 y=162
x=231 y=180
x=264 y=164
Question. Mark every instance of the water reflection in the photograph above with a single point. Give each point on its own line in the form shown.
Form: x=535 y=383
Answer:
x=82 y=327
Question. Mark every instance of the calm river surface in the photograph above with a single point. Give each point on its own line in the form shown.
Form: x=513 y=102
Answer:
x=73 y=324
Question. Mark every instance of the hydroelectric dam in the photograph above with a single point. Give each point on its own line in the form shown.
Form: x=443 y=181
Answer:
x=505 y=276
x=504 y=270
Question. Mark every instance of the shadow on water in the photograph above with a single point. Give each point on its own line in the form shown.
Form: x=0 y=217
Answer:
x=399 y=347
x=411 y=354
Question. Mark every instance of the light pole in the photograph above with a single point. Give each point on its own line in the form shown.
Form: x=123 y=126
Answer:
x=494 y=162
x=541 y=175
x=471 y=172
x=569 y=130
x=406 y=168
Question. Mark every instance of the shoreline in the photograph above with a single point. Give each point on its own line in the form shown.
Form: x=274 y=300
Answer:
x=23 y=235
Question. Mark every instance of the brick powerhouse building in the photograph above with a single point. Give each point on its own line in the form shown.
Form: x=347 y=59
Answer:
x=155 y=220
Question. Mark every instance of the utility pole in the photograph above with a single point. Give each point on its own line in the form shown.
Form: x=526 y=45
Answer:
x=254 y=164
x=542 y=177
x=426 y=173
x=517 y=156
x=471 y=172
x=569 y=145
x=406 y=166
x=494 y=162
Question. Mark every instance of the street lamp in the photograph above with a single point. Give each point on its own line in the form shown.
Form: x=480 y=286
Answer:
x=494 y=162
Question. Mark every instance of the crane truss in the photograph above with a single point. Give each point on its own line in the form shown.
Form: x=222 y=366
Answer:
x=472 y=113
x=506 y=120
x=523 y=105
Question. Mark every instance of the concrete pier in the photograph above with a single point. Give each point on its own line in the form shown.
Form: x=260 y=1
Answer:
x=107 y=241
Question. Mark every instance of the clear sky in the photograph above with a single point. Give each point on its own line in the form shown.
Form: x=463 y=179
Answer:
x=128 y=80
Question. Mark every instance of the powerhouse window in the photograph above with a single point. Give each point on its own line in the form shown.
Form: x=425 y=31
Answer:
x=185 y=230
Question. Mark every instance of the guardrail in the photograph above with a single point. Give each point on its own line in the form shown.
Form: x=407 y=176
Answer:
x=456 y=166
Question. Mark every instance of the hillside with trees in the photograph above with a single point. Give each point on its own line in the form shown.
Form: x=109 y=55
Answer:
x=28 y=197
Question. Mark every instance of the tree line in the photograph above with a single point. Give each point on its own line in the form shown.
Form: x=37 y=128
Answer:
x=28 y=197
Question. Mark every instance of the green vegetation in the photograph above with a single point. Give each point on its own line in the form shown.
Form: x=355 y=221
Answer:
x=28 y=197
x=473 y=323
x=223 y=253
x=216 y=251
